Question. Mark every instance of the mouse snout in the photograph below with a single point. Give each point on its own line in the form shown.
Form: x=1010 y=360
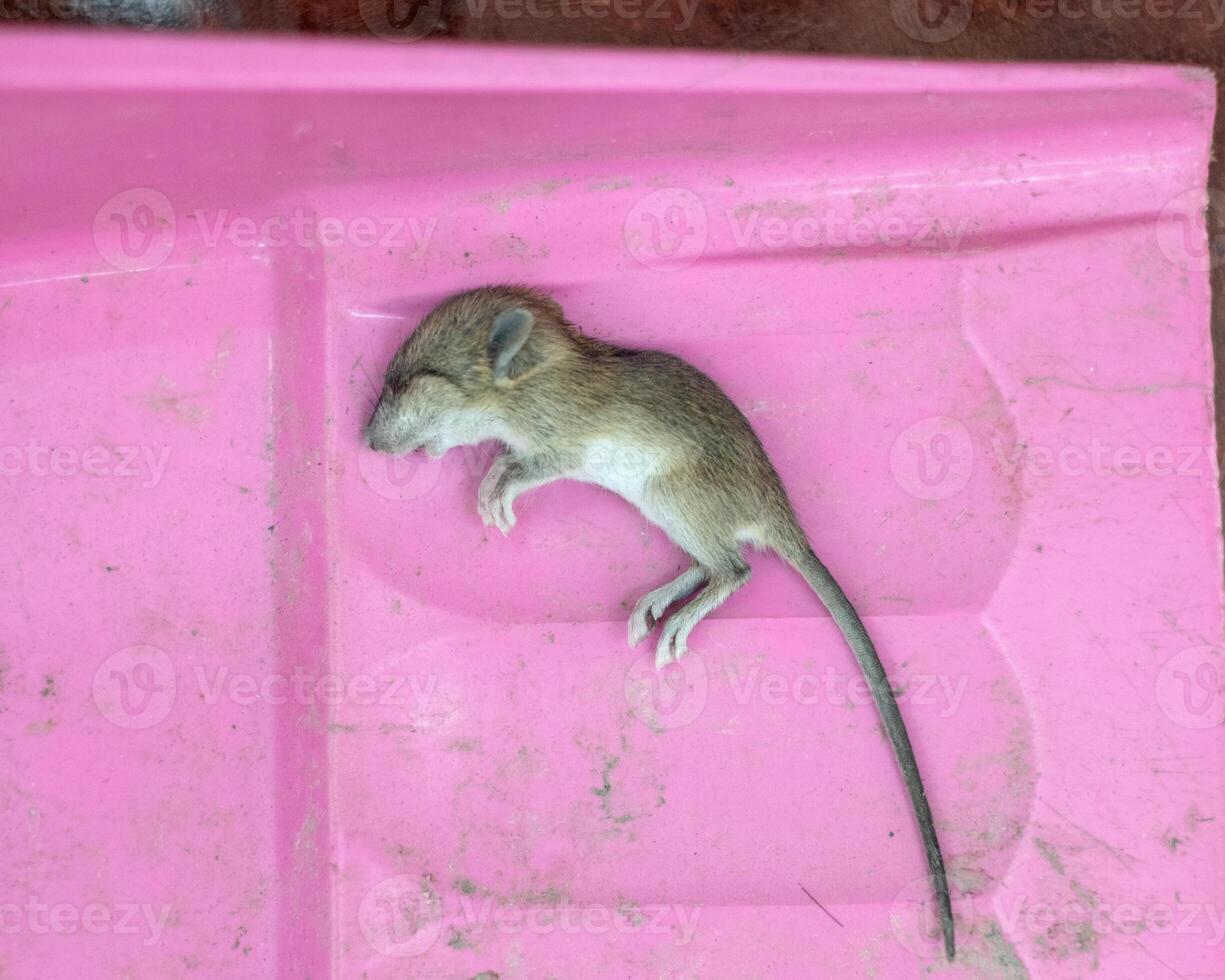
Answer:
x=386 y=433
x=381 y=439
x=373 y=439
x=377 y=433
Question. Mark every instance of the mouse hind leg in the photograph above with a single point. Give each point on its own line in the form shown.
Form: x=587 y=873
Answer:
x=693 y=506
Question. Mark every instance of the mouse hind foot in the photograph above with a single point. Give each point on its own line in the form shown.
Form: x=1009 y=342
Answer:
x=650 y=609
x=721 y=582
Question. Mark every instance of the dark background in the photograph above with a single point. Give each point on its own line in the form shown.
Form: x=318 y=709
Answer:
x=1180 y=31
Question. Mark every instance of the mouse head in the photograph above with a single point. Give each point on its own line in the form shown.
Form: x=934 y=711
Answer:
x=447 y=383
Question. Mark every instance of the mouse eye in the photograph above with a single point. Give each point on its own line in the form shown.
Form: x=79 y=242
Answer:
x=403 y=385
x=430 y=379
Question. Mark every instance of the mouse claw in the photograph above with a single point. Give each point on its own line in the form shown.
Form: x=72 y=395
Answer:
x=486 y=515
x=504 y=515
x=672 y=645
x=641 y=623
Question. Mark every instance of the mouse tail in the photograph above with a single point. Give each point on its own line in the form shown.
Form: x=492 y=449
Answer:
x=800 y=555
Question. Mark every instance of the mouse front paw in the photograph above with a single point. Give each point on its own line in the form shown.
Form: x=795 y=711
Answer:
x=493 y=499
x=497 y=513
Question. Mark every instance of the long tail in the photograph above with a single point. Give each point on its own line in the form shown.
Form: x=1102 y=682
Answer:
x=805 y=561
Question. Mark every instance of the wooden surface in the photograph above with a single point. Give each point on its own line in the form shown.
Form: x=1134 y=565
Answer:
x=1179 y=31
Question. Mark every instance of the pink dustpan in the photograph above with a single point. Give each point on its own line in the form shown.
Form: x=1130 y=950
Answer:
x=273 y=705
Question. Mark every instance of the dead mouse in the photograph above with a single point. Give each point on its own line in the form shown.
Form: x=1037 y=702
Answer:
x=503 y=363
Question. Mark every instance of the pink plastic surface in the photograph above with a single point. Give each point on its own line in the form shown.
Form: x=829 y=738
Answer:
x=272 y=706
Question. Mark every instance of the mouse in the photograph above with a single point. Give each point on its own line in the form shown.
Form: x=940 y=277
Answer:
x=503 y=363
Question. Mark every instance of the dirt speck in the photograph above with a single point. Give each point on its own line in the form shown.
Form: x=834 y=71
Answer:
x=631 y=912
x=550 y=897
x=239 y=943
x=1050 y=854
x=1004 y=691
x=784 y=209
x=1003 y=954
x=610 y=185
x=460 y=939
x=501 y=202
x=49 y=690
x=605 y=790
x=1192 y=820
x=1073 y=935
x=164 y=399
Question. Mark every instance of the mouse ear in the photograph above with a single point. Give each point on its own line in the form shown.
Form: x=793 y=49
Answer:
x=506 y=339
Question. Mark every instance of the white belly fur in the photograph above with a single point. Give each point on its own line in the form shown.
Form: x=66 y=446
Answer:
x=628 y=471
x=622 y=468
